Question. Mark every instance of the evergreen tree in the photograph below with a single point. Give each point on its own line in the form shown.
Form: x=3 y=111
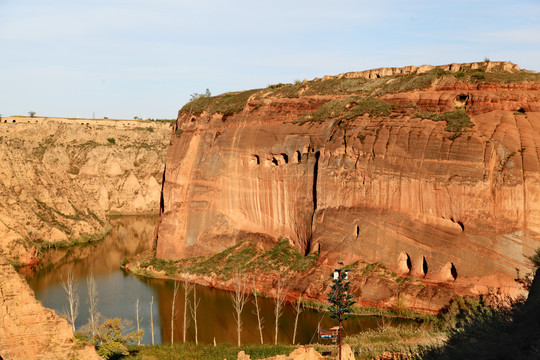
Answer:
x=341 y=301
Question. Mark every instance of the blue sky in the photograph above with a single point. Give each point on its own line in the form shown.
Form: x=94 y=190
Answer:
x=126 y=58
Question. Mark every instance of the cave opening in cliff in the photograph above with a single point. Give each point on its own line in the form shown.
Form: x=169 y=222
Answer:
x=453 y=271
x=460 y=223
x=256 y=160
x=297 y=158
x=521 y=110
x=357 y=230
x=274 y=161
x=285 y=158
x=424 y=266
x=461 y=101
x=315 y=175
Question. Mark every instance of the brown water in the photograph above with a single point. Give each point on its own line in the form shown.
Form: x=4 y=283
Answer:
x=119 y=291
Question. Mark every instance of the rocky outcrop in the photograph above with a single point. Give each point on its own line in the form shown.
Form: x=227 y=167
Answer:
x=60 y=177
x=412 y=70
x=301 y=353
x=446 y=205
x=27 y=329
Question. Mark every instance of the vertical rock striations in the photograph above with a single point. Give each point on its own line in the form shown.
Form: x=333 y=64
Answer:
x=433 y=171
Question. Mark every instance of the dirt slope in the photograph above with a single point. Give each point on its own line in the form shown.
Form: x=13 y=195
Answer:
x=60 y=177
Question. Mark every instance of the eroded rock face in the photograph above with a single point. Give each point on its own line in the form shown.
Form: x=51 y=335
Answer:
x=27 y=329
x=60 y=177
x=396 y=189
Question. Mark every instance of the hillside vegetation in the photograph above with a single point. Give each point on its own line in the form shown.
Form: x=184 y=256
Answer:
x=476 y=73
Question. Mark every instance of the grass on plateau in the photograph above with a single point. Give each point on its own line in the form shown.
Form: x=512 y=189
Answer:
x=282 y=258
x=191 y=351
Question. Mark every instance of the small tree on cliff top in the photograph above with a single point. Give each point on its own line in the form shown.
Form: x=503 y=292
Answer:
x=340 y=299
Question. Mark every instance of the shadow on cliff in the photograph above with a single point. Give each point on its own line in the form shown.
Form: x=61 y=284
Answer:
x=511 y=332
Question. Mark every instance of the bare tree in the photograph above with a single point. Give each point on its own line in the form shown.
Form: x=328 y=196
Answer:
x=152 y=319
x=260 y=319
x=32 y=113
x=173 y=312
x=137 y=310
x=239 y=298
x=298 y=308
x=279 y=299
x=194 y=307
x=92 y=300
x=187 y=290
x=73 y=298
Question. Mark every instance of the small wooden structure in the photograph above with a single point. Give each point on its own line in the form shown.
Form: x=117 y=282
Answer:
x=329 y=334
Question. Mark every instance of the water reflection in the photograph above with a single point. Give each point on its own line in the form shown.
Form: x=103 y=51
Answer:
x=215 y=316
x=118 y=293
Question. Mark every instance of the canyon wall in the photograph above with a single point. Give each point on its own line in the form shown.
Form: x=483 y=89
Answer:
x=59 y=178
x=30 y=331
x=424 y=199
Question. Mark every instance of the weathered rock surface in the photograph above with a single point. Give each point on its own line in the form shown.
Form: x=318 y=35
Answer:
x=27 y=329
x=301 y=353
x=395 y=189
x=60 y=177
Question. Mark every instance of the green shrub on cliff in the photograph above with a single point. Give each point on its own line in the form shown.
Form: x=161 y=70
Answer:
x=225 y=104
x=329 y=110
x=456 y=121
x=347 y=109
x=369 y=105
x=424 y=115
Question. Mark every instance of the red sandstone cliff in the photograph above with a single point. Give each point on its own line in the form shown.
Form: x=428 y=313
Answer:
x=381 y=185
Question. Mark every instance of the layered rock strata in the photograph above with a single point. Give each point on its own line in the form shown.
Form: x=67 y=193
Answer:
x=446 y=205
x=60 y=177
x=27 y=329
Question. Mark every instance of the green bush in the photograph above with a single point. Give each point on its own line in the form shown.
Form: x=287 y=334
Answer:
x=478 y=76
x=425 y=115
x=329 y=110
x=456 y=121
x=369 y=105
x=111 y=140
x=112 y=349
x=348 y=109
x=111 y=337
x=226 y=104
